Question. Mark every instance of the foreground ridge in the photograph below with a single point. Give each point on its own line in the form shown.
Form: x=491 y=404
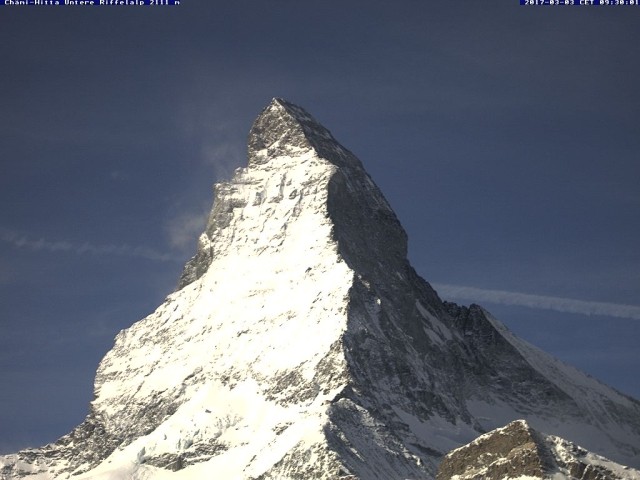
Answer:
x=300 y=343
x=518 y=451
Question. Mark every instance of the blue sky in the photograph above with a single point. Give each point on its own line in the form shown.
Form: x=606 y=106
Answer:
x=505 y=137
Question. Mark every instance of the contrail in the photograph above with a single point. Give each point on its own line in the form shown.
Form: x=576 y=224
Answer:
x=542 y=302
x=501 y=297
x=22 y=241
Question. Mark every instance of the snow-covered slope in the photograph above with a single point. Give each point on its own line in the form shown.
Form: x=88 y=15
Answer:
x=519 y=452
x=301 y=344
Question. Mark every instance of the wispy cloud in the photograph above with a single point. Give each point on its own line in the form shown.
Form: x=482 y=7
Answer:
x=568 y=305
x=184 y=228
x=22 y=241
x=224 y=155
x=215 y=129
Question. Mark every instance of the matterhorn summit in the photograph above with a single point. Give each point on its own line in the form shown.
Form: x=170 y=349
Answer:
x=301 y=344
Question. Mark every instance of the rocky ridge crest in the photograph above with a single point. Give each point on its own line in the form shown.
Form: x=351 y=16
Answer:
x=518 y=451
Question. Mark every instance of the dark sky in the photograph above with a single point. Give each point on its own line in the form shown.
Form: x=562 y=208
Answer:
x=506 y=137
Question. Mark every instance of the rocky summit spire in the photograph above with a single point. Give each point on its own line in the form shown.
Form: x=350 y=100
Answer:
x=282 y=141
x=284 y=129
x=302 y=344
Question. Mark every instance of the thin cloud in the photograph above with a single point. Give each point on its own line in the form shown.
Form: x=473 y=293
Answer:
x=184 y=228
x=542 y=302
x=216 y=132
x=224 y=156
x=41 y=245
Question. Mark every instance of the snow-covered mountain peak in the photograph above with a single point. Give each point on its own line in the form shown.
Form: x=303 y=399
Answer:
x=292 y=160
x=301 y=343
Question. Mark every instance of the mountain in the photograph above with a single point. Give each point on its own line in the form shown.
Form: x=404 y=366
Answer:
x=518 y=451
x=301 y=344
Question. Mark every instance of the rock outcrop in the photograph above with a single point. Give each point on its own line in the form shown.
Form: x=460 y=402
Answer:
x=518 y=451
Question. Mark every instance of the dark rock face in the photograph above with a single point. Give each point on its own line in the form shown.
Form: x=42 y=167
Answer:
x=489 y=354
